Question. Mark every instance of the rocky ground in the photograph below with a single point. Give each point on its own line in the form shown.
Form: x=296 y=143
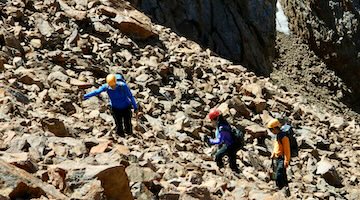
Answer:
x=297 y=68
x=54 y=145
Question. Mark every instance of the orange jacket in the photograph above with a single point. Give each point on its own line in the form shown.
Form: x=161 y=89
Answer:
x=282 y=149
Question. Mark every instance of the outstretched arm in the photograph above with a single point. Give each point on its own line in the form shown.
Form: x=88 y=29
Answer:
x=95 y=92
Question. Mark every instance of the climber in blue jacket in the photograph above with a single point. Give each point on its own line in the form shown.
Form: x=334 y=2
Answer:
x=121 y=102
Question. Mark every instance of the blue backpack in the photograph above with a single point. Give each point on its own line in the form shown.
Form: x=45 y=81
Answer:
x=119 y=77
x=288 y=131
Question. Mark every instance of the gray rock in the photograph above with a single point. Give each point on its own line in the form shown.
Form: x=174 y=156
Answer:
x=139 y=174
x=16 y=184
x=20 y=160
x=328 y=172
x=57 y=75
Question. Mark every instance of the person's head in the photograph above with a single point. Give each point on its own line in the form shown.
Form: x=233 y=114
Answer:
x=214 y=115
x=274 y=126
x=111 y=80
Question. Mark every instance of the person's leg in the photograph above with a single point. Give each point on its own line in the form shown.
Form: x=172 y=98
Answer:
x=127 y=120
x=219 y=156
x=232 y=158
x=281 y=179
x=117 y=114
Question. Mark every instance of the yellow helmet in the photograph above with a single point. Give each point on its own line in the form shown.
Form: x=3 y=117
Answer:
x=111 y=80
x=274 y=123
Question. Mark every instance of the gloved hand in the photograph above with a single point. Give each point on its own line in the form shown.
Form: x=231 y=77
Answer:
x=207 y=140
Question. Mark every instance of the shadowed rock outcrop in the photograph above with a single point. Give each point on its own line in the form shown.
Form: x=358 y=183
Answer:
x=332 y=30
x=242 y=31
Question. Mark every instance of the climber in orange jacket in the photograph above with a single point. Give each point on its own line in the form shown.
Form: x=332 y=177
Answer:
x=281 y=153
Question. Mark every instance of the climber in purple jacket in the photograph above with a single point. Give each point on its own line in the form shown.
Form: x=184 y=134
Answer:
x=224 y=137
x=121 y=101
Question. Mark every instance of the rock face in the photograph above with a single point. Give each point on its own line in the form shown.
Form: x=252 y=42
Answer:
x=242 y=31
x=332 y=29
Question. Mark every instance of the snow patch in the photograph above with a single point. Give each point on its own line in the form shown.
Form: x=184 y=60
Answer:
x=282 y=24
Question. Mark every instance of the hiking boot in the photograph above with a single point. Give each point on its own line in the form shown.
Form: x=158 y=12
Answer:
x=286 y=191
x=237 y=170
x=121 y=134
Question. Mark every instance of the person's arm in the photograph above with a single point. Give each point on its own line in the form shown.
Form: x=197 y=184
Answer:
x=129 y=94
x=274 y=149
x=95 y=92
x=218 y=137
x=286 y=146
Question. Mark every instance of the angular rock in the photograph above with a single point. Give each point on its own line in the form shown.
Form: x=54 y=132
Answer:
x=20 y=160
x=19 y=184
x=253 y=89
x=18 y=62
x=328 y=172
x=57 y=75
x=139 y=174
x=239 y=106
x=260 y=105
x=12 y=41
x=36 y=43
x=76 y=14
x=256 y=131
x=113 y=179
x=338 y=123
x=224 y=108
x=80 y=84
x=130 y=22
x=100 y=148
x=44 y=27
x=236 y=69
x=197 y=192
x=140 y=191
x=57 y=178
x=90 y=190
x=55 y=126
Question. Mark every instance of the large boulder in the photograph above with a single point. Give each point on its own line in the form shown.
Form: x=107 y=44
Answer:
x=113 y=179
x=55 y=126
x=332 y=30
x=19 y=184
x=243 y=31
x=327 y=170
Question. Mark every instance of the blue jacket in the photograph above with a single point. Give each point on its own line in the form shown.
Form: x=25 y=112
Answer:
x=223 y=135
x=120 y=97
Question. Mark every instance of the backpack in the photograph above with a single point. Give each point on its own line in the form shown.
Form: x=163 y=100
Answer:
x=119 y=77
x=288 y=131
x=238 y=137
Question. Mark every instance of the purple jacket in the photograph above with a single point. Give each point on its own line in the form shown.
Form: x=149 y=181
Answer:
x=222 y=135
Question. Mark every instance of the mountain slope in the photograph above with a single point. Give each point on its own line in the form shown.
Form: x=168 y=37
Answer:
x=52 y=54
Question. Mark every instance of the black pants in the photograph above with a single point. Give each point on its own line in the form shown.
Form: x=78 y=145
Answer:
x=230 y=151
x=281 y=177
x=122 y=119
